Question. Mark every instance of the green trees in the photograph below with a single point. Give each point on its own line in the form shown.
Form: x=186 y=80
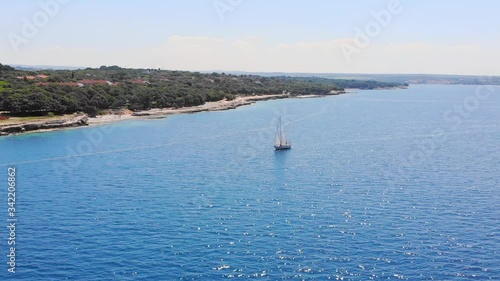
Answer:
x=113 y=67
x=4 y=84
x=5 y=68
x=140 y=89
x=101 y=101
x=30 y=102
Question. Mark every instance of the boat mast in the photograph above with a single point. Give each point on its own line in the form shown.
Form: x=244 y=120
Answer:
x=279 y=129
x=282 y=134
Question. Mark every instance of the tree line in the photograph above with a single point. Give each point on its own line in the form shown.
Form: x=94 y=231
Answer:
x=58 y=91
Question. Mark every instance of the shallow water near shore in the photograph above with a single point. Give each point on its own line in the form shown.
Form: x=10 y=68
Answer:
x=385 y=184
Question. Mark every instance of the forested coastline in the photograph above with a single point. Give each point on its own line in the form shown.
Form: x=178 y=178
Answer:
x=92 y=90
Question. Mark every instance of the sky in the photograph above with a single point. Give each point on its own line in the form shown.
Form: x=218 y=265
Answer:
x=315 y=36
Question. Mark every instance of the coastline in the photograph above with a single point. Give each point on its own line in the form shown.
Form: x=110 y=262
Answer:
x=82 y=120
x=163 y=112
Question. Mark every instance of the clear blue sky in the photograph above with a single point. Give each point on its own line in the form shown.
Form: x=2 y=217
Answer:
x=258 y=35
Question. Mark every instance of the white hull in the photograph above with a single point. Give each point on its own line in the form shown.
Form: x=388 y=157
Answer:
x=283 y=147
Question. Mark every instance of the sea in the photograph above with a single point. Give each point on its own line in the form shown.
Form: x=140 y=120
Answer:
x=399 y=184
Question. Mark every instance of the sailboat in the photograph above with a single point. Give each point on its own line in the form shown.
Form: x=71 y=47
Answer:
x=281 y=143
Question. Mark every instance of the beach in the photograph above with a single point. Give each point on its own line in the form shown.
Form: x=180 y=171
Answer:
x=161 y=112
x=21 y=125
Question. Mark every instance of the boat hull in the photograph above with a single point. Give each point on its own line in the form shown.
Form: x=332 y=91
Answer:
x=282 y=147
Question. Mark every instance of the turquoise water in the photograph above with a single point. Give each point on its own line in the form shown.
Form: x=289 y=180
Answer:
x=388 y=184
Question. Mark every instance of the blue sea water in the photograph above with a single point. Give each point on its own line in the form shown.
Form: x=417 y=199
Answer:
x=379 y=185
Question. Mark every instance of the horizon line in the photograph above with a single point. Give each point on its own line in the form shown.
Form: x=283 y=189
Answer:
x=68 y=67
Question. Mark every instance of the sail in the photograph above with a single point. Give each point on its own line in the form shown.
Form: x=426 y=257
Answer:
x=280 y=141
x=282 y=136
x=277 y=140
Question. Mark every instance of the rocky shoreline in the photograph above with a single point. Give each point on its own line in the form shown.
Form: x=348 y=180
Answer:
x=83 y=120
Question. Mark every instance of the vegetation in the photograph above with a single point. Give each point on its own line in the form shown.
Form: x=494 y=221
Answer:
x=91 y=90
